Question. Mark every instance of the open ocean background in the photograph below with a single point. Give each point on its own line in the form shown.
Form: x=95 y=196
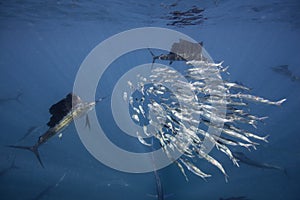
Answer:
x=42 y=45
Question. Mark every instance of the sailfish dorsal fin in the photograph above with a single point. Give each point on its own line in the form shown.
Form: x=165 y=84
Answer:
x=187 y=50
x=60 y=109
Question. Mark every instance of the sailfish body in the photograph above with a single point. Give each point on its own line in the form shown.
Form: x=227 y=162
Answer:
x=63 y=113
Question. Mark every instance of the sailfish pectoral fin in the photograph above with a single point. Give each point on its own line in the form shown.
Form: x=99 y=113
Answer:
x=87 y=122
x=152 y=54
x=153 y=57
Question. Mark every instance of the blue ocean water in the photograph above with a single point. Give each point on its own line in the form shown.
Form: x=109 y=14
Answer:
x=43 y=44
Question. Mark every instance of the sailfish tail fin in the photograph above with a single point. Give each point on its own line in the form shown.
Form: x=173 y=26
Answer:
x=33 y=149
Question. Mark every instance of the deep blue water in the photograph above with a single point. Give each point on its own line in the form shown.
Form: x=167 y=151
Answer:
x=43 y=44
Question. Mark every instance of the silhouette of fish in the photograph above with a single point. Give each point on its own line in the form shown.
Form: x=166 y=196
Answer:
x=159 y=187
x=192 y=16
x=244 y=159
x=284 y=70
x=47 y=190
x=63 y=113
x=8 y=99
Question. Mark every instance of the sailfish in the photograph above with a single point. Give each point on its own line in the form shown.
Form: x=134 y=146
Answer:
x=63 y=113
x=244 y=159
x=181 y=51
x=285 y=71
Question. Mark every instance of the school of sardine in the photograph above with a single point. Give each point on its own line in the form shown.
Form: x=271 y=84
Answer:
x=177 y=113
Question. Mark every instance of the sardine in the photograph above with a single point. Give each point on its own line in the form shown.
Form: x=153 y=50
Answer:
x=191 y=167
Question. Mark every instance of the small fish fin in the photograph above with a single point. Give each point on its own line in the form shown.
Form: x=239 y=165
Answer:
x=87 y=122
x=33 y=149
x=278 y=103
x=170 y=63
x=226 y=178
x=265 y=138
x=220 y=63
